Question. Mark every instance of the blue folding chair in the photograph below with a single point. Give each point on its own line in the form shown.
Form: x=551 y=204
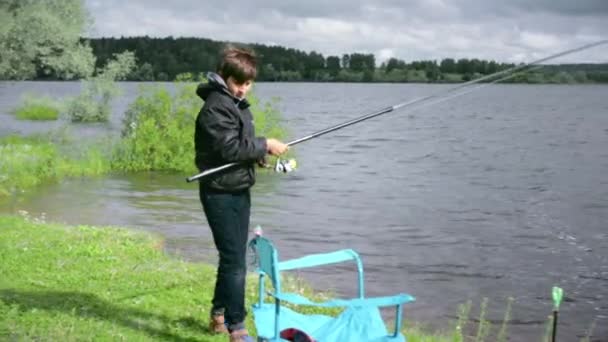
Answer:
x=359 y=321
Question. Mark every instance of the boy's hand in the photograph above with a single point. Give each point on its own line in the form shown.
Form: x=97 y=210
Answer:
x=264 y=163
x=275 y=147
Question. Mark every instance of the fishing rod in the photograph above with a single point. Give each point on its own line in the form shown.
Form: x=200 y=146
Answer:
x=511 y=71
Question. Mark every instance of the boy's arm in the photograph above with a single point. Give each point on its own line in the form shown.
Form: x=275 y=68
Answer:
x=223 y=128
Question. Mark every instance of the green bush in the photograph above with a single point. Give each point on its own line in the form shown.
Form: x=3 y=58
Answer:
x=88 y=107
x=37 y=108
x=93 y=103
x=158 y=131
x=451 y=77
x=349 y=76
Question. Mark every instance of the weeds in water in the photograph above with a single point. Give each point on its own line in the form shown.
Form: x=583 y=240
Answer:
x=502 y=334
x=463 y=317
x=38 y=108
x=483 y=327
x=25 y=164
x=28 y=162
x=589 y=334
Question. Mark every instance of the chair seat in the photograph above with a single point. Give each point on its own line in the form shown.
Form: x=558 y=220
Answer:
x=353 y=324
x=362 y=324
x=265 y=314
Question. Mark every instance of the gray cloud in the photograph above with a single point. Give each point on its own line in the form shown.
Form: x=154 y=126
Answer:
x=516 y=30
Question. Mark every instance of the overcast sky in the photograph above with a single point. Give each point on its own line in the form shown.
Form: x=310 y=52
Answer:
x=503 y=30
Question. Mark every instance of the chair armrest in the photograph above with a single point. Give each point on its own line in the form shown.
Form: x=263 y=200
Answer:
x=359 y=302
x=313 y=260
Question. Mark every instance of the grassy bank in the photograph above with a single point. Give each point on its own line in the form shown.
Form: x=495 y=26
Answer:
x=61 y=283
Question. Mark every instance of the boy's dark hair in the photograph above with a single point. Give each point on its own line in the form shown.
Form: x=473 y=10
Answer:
x=240 y=63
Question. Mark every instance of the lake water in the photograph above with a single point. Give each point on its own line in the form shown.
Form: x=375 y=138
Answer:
x=499 y=193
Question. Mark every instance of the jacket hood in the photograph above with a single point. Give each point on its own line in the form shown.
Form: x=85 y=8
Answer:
x=215 y=82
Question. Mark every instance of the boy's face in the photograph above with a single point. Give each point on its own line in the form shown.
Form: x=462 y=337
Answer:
x=239 y=90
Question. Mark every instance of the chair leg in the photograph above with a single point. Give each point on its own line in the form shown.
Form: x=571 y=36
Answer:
x=277 y=312
x=398 y=319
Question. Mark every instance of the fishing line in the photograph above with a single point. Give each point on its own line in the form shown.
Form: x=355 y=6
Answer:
x=511 y=71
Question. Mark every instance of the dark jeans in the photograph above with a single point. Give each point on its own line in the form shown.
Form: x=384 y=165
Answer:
x=228 y=217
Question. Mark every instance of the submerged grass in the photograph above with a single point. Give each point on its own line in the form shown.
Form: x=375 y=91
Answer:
x=28 y=162
x=37 y=108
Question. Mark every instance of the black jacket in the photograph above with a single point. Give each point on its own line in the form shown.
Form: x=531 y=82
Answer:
x=224 y=133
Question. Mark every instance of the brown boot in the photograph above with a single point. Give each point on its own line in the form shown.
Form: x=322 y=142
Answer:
x=216 y=325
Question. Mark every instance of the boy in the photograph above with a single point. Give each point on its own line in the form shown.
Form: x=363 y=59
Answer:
x=224 y=133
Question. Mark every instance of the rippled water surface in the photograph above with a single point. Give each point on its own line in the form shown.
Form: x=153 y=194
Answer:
x=500 y=193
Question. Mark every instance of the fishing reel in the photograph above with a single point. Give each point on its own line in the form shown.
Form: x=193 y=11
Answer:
x=285 y=166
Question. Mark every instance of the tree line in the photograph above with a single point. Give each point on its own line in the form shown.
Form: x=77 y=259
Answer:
x=162 y=59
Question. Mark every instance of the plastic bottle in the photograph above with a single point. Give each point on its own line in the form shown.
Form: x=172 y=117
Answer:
x=251 y=255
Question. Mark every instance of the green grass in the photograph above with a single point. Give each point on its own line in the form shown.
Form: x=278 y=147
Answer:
x=28 y=162
x=82 y=283
x=37 y=108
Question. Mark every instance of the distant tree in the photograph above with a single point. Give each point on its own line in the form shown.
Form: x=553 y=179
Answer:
x=563 y=77
x=346 y=75
x=416 y=76
x=43 y=39
x=393 y=63
x=417 y=65
x=345 y=61
x=580 y=76
x=492 y=67
x=432 y=71
x=535 y=77
x=362 y=62
x=268 y=72
x=144 y=72
x=464 y=67
x=598 y=76
x=333 y=65
x=447 y=65
x=313 y=63
x=475 y=65
x=368 y=75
